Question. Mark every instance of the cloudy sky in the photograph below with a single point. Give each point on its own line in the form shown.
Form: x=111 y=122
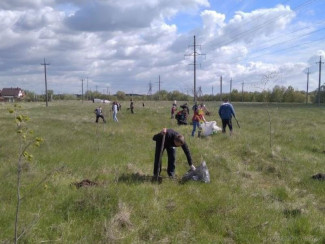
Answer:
x=124 y=45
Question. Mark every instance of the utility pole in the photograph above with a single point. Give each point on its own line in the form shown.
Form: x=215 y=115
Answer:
x=194 y=54
x=47 y=96
x=242 y=91
x=307 y=85
x=87 y=88
x=320 y=77
x=159 y=81
x=82 y=90
x=230 y=90
x=212 y=90
x=221 y=88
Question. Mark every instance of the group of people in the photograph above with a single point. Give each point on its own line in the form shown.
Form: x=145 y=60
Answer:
x=168 y=139
x=115 y=108
x=226 y=111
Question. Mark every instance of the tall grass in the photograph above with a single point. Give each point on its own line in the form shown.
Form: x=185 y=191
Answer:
x=257 y=193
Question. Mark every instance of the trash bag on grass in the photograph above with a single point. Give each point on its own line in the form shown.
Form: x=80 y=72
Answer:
x=201 y=173
x=209 y=128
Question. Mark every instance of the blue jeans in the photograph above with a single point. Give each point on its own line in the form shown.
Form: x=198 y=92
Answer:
x=114 y=117
x=195 y=124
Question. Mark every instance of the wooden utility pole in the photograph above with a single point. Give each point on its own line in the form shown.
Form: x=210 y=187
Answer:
x=320 y=77
x=46 y=93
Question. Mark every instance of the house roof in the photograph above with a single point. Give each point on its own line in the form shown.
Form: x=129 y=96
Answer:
x=10 y=92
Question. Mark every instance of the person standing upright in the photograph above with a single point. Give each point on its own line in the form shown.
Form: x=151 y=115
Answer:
x=226 y=111
x=197 y=118
x=99 y=114
x=114 y=108
x=131 y=106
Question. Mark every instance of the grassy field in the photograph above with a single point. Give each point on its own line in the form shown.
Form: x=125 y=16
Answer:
x=259 y=193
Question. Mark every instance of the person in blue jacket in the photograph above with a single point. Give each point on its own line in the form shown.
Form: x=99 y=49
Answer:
x=226 y=111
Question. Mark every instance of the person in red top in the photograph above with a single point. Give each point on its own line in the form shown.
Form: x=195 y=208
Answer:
x=196 y=119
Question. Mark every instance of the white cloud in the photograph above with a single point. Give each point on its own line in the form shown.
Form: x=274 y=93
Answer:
x=126 y=44
x=246 y=27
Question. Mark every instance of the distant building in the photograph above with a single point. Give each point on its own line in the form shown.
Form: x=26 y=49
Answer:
x=10 y=94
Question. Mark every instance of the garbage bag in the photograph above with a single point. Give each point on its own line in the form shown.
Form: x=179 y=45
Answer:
x=201 y=173
x=209 y=128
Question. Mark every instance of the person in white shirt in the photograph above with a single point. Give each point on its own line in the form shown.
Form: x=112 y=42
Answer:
x=114 y=108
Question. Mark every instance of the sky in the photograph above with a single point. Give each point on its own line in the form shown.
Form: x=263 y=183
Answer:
x=135 y=46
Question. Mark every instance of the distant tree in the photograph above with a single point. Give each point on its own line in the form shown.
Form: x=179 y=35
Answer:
x=235 y=96
x=176 y=95
x=277 y=94
x=29 y=96
x=289 y=94
x=120 y=95
x=300 y=97
x=322 y=94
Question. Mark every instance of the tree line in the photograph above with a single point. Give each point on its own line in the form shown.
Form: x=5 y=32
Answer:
x=279 y=94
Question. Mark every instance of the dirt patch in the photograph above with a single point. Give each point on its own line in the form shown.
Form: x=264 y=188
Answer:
x=318 y=176
x=85 y=183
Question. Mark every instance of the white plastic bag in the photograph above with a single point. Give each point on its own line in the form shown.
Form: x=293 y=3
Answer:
x=209 y=128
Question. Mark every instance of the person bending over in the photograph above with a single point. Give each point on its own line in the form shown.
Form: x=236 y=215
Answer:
x=172 y=140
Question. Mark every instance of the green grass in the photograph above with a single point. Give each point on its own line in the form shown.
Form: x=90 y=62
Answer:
x=257 y=194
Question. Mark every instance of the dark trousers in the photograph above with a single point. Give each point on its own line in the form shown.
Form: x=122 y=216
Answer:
x=226 y=122
x=171 y=153
x=100 y=116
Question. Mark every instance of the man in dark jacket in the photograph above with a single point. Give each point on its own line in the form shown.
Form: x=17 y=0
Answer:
x=172 y=139
x=99 y=114
x=226 y=111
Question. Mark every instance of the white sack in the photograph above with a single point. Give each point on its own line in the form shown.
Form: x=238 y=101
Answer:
x=209 y=128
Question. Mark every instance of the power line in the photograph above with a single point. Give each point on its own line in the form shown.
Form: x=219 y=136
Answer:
x=258 y=27
x=284 y=49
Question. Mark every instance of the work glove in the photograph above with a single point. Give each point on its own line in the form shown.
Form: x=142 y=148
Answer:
x=193 y=167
